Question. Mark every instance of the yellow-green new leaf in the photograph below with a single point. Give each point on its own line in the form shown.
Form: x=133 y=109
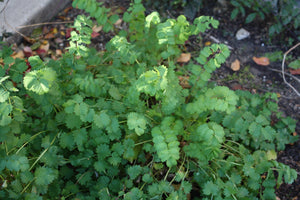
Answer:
x=40 y=81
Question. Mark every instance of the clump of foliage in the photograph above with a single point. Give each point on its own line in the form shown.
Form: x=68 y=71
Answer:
x=118 y=125
x=284 y=15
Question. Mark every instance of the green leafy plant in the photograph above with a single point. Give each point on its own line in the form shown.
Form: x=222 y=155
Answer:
x=284 y=15
x=118 y=124
x=258 y=9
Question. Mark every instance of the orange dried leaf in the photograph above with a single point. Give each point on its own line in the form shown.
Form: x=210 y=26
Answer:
x=264 y=61
x=207 y=43
x=49 y=36
x=235 y=66
x=295 y=134
x=295 y=71
x=94 y=34
x=184 y=57
x=66 y=10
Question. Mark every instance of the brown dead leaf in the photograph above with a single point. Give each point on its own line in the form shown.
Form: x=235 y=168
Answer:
x=19 y=54
x=295 y=71
x=97 y=29
x=118 y=22
x=235 y=66
x=49 y=36
x=184 y=82
x=184 y=58
x=45 y=46
x=58 y=52
x=264 y=61
x=66 y=10
x=236 y=86
x=295 y=134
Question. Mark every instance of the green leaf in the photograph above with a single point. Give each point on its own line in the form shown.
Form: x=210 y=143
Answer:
x=250 y=18
x=234 y=13
x=35 y=62
x=40 y=81
x=101 y=165
x=102 y=119
x=3 y=95
x=137 y=122
x=5 y=110
x=165 y=140
x=134 y=171
x=154 y=81
x=210 y=188
x=80 y=138
x=16 y=163
x=186 y=186
x=2 y=79
x=114 y=92
x=45 y=175
x=295 y=64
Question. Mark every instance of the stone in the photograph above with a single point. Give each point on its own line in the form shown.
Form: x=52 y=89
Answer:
x=242 y=34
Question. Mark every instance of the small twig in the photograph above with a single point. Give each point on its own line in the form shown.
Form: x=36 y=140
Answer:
x=276 y=70
x=282 y=71
x=216 y=40
x=45 y=23
x=4 y=6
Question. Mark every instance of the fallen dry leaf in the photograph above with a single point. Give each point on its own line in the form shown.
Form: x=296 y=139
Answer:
x=118 y=22
x=208 y=43
x=45 y=46
x=97 y=28
x=94 y=34
x=68 y=32
x=278 y=94
x=41 y=52
x=19 y=54
x=236 y=86
x=184 y=57
x=235 y=66
x=49 y=36
x=184 y=81
x=54 y=30
x=66 y=10
x=261 y=60
x=27 y=51
x=295 y=71
x=58 y=52
x=295 y=134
